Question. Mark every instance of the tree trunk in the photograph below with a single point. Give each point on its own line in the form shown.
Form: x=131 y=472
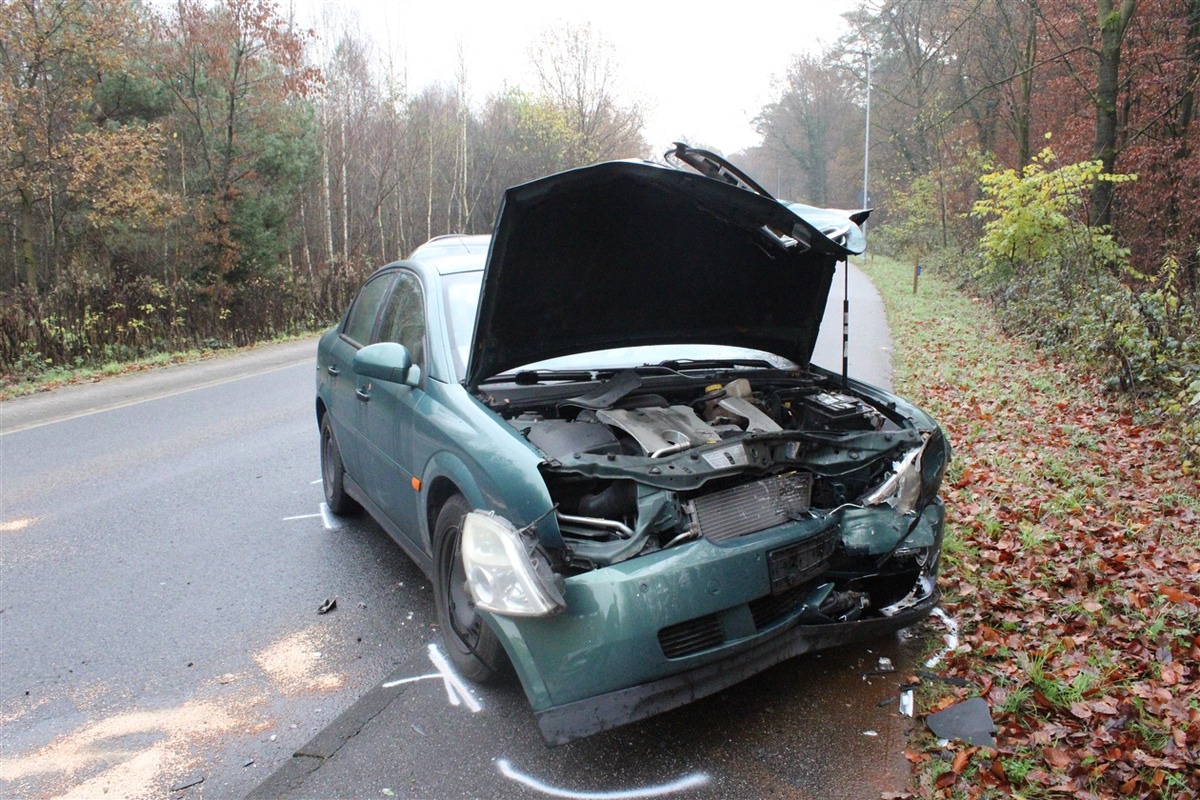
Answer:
x=328 y=226
x=1025 y=112
x=1113 y=23
x=345 y=195
x=28 y=256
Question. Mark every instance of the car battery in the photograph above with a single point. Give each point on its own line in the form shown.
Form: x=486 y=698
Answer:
x=836 y=412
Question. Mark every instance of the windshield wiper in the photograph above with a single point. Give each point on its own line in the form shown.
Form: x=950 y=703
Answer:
x=682 y=364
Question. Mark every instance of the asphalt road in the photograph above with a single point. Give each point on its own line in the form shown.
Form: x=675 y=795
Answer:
x=162 y=558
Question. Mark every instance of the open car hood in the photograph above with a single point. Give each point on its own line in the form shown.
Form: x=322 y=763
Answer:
x=631 y=253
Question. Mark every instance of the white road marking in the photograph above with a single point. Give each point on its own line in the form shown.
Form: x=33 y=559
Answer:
x=302 y=516
x=455 y=688
x=403 y=681
x=314 y=483
x=692 y=781
x=332 y=523
x=456 y=691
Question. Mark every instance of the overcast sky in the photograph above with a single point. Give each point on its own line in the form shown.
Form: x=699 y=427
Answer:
x=702 y=70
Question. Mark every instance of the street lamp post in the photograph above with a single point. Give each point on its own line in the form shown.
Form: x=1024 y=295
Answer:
x=846 y=261
x=867 y=133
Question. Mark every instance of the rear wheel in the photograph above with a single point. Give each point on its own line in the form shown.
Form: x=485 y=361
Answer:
x=470 y=642
x=333 y=473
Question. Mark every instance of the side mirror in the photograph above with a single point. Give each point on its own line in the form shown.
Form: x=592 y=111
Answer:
x=386 y=361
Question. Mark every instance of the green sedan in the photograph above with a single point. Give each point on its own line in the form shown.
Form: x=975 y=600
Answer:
x=599 y=432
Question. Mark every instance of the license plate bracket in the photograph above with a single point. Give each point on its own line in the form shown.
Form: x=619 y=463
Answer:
x=800 y=562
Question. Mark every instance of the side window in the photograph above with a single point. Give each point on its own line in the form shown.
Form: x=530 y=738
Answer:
x=404 y=318
x=366 y=308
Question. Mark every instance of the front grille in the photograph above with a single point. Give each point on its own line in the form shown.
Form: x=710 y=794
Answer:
x=685 y=638
x=751 y=507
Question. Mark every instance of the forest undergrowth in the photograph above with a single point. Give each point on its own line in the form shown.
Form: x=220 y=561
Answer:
x=1072 y=563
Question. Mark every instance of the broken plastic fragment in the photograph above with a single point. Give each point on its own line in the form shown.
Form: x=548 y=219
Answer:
x=187 y=784
x=327 y=606
x=970 y=721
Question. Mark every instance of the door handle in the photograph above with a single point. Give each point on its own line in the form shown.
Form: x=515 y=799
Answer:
x=362 y=394
x=333 y=370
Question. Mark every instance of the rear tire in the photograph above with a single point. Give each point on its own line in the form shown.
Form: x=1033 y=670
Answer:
x=470 y=642
x=333 y=473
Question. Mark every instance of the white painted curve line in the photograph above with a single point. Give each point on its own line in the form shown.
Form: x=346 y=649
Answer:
x=951 y=637
x=332 y=523
x=455 y=688
x=693 y=781
x=301 y=516
x=314 y=483
x=403 y=681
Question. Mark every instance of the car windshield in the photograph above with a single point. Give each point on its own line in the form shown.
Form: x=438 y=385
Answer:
x=462 y=304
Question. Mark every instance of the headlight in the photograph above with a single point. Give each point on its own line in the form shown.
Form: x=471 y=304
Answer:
x=503 y=572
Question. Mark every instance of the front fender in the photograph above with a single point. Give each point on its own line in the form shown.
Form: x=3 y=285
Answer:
x=499 y=473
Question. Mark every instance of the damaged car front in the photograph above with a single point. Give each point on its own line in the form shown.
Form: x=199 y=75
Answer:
x=631 y=482
x=713 y=509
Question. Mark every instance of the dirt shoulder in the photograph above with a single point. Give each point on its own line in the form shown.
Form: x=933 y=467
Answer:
x=1072 y=563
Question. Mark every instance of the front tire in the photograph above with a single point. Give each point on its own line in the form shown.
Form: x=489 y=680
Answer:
x=333 y=473
x=470 y=642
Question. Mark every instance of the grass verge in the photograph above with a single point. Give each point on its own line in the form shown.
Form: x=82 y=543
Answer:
x=1072 y=563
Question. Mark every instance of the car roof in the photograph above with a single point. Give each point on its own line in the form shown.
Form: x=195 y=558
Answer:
x=453 y=252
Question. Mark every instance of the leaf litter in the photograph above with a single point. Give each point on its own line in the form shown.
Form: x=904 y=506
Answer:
x=1071 y=563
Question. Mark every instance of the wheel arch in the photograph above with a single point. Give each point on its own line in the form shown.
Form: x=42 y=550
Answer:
x=446 y=476
x=321 y=409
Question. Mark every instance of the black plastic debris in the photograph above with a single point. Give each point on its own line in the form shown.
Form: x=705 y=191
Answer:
x=327 y=606
x=969 y=721
x=947 y=679
x=189 y=783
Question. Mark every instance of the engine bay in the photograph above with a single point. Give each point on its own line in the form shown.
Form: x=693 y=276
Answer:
x=636 y=464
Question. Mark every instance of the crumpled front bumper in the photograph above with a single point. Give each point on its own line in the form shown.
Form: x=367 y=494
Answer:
x=570 y=721
x=607 y=661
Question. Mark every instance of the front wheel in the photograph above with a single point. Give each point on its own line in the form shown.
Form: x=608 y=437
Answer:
x=471 y=643
x=333 y=473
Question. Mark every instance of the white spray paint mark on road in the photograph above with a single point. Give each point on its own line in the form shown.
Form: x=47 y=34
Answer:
x=456 y=691
x=332 y=523
x=455 y=688
x=692 y=781
x=301 y=516
x=402 y=681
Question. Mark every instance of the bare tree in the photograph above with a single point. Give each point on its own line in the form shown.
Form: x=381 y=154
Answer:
x=815 y=119
x=577 y=71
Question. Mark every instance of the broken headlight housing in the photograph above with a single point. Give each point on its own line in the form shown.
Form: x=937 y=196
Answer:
x=915 y=478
